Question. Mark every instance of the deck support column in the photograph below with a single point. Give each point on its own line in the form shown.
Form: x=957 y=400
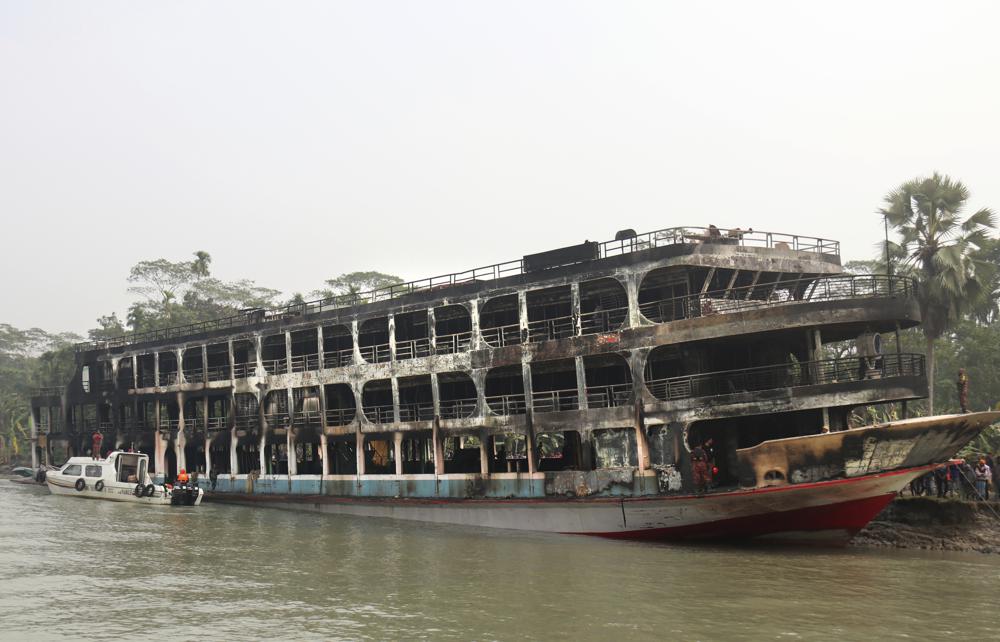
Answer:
x=529 y=414
x=397 y=443
x=484 y=452
x=293 y=461
x=438 y=442
x=181 y=439
x=817 y=354
x=323 y=453
x=476 y=340
x=234 y=462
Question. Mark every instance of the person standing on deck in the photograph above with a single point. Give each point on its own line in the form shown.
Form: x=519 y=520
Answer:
x=95 y=444
x=699 y=469
x=963 y=390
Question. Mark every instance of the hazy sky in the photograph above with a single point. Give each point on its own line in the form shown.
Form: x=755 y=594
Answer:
x=297 y=140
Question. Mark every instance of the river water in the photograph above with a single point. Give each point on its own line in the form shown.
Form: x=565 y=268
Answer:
x=75 y=569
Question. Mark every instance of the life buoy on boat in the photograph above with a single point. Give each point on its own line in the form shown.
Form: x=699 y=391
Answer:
x=137 y=491
x=99 y=486
x=80 y=484
x=148 y=490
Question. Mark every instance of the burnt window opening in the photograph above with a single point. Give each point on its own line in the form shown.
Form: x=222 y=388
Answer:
x=416 y=400
x=559 y=451
x=147 y=370
x=550 y=314
x=219 y=410
x=246 y=412
x=85 y=378
x=663 y=445
x=338 y=346
x=509 y=453
x=341 y=407
x=615 y=448
x=308 y=446
x=168 y=369
x=418 y=453
x=505 y=391
x=342 y=455
x=553 y=385
x=194 y=414
x=670 y=372
x=373 y=340
x=244 y=359
x=412 y=335
x=276 y=454
x=219 y=454
x=194 y=453
x=125 y=375
x=376 y=401
x=452 y=329
x=499 y=321
x=461 y=455
x=457 y=395
x=609 y=381
x=194 y=369
x=217 y=368
x=276 y=411
x=247 y=454
x=274 y=354
x=305 y=350
x=603 y=306
x=380 y=455
x=307 y=412
x=664 y=295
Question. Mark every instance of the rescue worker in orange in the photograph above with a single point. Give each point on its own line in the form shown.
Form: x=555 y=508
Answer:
x=699 y=469
x=182 y=477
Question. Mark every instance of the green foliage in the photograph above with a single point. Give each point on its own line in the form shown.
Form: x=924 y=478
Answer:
x=354 y=283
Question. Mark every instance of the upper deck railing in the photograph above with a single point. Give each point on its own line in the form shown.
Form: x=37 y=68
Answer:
x=637 y=243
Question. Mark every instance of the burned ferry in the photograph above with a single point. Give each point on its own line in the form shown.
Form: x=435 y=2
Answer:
x=564 y=391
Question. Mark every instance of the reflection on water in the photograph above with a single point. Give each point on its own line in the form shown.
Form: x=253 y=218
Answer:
x=83 y=569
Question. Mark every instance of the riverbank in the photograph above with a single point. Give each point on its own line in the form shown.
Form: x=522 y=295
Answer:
x=935 y=524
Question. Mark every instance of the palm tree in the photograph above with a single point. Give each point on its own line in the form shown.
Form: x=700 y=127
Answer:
x=199 y=266
x=942 y=252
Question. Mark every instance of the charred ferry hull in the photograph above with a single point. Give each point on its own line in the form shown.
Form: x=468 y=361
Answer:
x=863 y=470
x=828 y=512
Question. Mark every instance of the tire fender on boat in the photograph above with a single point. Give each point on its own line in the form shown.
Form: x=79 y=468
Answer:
x=80 y=484
x=99 y=486
x=148 y=490
x=138 y=490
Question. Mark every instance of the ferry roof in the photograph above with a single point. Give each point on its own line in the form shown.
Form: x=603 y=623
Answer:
x=626 y=242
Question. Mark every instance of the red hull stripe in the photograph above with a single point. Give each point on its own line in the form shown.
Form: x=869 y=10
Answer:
x=848 y=517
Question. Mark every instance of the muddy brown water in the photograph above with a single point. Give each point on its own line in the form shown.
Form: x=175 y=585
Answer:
x=74 y=569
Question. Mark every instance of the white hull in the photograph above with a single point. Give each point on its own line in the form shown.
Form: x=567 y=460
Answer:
x=112 y=491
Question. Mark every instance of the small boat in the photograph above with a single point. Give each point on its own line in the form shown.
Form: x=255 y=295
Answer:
x=120 y=477
x=23 y=475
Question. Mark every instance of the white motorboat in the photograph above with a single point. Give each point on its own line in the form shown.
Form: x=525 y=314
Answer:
x=121 y=477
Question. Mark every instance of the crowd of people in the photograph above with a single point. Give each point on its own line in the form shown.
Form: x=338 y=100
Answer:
x=960 y=479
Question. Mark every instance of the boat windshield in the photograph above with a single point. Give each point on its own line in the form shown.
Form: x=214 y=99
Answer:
x=128 y=468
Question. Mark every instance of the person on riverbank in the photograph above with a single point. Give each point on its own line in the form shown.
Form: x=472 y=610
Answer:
x=983 y=478
x=941 y=481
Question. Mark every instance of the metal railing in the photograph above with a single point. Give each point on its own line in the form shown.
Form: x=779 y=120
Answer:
x=503 y=335
x=555 y=400
x=338 y=358
x=739 y=299
x=413 y=348
x=169 y=425
x=194 y=375
x=216 y=424
x=218 y=373
x=421 y=411
x=275 y=366
x=457 y=408
x=169 y=378
x=507 y=404
x=610 y=396
x=246 y=422
x=550 y=329
x=638 y=243
x=305 y=362
x=379 y=414
x=340 y=416
x=452 y=343
x=601 y=321
x=787 y=375
x=377 y=353
x=244 y=370
x=307 y=420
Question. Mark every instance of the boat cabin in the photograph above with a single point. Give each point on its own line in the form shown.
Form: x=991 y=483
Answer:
x=127 y=468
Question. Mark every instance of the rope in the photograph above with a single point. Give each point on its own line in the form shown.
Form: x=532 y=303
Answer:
x=972 y=481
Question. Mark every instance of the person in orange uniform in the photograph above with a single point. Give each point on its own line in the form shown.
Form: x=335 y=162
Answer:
x=182 y=477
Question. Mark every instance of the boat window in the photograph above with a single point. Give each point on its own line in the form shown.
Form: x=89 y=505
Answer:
x=93 y=471
x=72 y=469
